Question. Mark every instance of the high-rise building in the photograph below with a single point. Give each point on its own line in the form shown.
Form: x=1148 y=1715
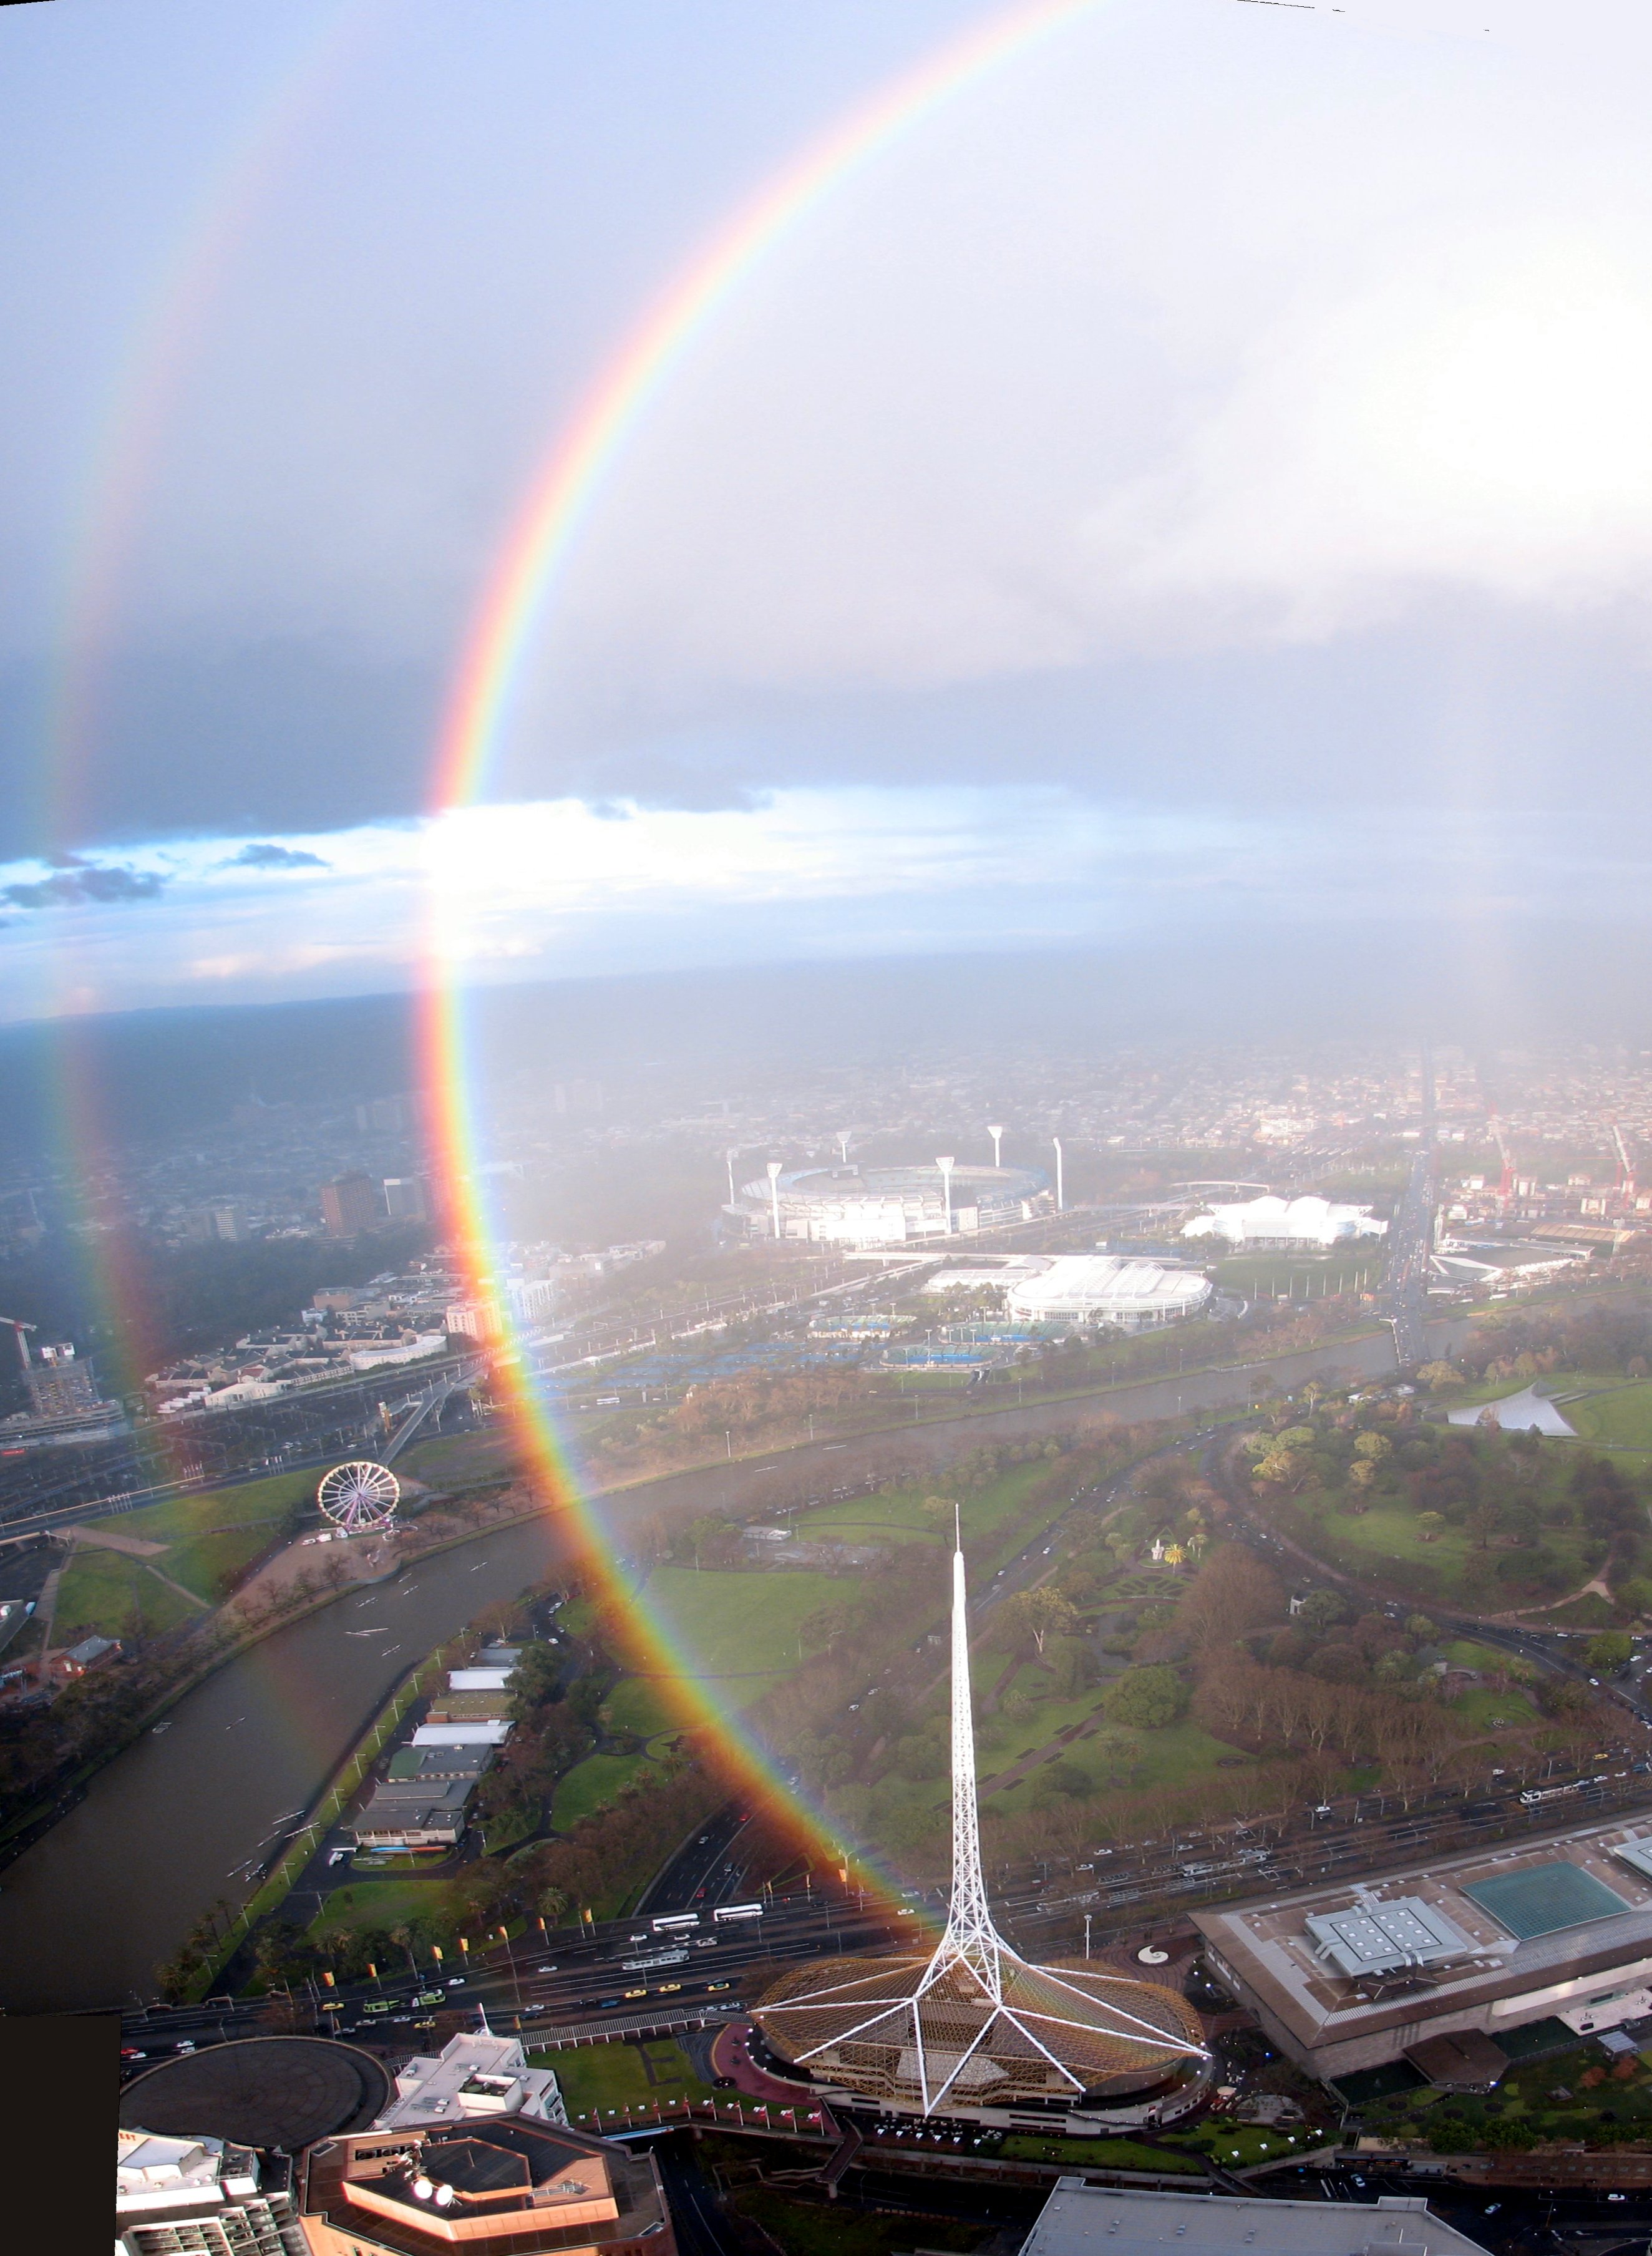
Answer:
x=201 y=2197
x=350 y=1204
x=974 y=2030
x=407 y=1198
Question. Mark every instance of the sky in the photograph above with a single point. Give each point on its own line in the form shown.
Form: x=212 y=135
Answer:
x=1194 y=477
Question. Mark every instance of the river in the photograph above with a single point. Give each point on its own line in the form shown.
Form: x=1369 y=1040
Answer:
x=87 y=1913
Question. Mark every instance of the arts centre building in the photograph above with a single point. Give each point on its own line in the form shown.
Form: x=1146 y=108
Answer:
x=1438 y=1965
x=973 y=2031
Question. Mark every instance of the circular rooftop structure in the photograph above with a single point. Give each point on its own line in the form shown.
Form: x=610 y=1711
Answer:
x=259 y=2091
x=853 y=1205
x=1062 y=2034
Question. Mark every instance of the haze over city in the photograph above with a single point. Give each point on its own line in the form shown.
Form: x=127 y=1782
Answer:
x=826 y=1125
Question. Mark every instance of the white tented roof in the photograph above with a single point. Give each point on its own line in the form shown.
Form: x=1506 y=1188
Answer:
x=1275 y=1221
x=492 y=1734
x=478 y=1680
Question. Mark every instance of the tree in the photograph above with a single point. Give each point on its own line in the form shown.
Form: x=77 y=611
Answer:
x=1036 y=1615
x=1373 y=1448
x=1437 y=1377
x=1145 y=1699
x=1430 y=1526
x=1320 y=1609
x=552 y=1903
x=1609 y=1652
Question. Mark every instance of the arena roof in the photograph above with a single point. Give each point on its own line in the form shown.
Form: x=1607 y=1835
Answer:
x=1274 y=1221
x=1108 y=1285
x=1544 y=1898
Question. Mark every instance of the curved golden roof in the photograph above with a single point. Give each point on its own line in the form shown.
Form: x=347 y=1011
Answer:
x=1057 y=2031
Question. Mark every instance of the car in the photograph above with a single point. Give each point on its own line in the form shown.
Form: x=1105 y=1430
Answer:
x=186 y=2044
x=665 y=1988
x=636 y=1994
x=603 y=2004
x=716 y=1985
x=545 y=1970
x=536 y=2009
x=457 y=1981
x=906 y=1912
x=705 y=1942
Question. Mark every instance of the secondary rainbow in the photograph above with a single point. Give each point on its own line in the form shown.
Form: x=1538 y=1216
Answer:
x=514 y=604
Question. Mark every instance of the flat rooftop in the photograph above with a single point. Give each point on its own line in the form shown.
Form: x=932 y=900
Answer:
x=1081 y=2220
x=1537 y=1926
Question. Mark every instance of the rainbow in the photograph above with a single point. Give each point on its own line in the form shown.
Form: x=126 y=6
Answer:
x=531 y=563
x=142 y=397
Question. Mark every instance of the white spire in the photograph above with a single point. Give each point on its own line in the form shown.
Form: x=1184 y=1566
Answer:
x=970 y=1935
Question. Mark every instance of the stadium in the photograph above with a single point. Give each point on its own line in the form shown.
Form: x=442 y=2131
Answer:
x=852 y=1205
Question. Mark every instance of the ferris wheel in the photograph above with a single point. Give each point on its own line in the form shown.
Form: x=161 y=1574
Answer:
x=359 y=1497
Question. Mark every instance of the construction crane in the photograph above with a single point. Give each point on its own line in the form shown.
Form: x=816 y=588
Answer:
x=1625 y=1179
x=1506 y=1182
x=19 y=1331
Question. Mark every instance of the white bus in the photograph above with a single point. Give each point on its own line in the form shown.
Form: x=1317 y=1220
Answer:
x=669 y=1921
x=739 y=1911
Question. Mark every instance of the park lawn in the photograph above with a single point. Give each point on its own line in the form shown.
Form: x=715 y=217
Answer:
x=264 y=1503
x=209 y=1564
x=1619 y=1417
x=447 y=1461
x=384 y=1903
x=592 y=1785
x=1389 y=1530
x=110 y=1594
x=1483 y=1708
x=1463 y=1653
x=1099 y=2153
x=640 y=1704
x=1246 y=2144
x=726 y=1624
x=618 y=2075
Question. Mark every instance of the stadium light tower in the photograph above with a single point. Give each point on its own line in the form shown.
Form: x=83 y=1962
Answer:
x=774 y=1192
x=843 y=1135
x=1060 y=1188
x=945 y=1166
x=997 y=1134
x=731 y=1157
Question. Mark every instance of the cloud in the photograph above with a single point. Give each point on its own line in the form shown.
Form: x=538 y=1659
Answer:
x=263 y=854
x=83 y=883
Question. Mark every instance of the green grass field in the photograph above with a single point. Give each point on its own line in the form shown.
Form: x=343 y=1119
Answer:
x=613 y=2076
x=451 y=1460
x=733 y=1625
x=1099 y=2153
x=216 y=1534
x=638 y=1703
x=384 y=1903
x=591 y=1785
x=1390 y=1531
x=1267 y=1276
x=109 y=1594
x=1618 y=1418
x=1484 y=1708
x=898 y=1517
